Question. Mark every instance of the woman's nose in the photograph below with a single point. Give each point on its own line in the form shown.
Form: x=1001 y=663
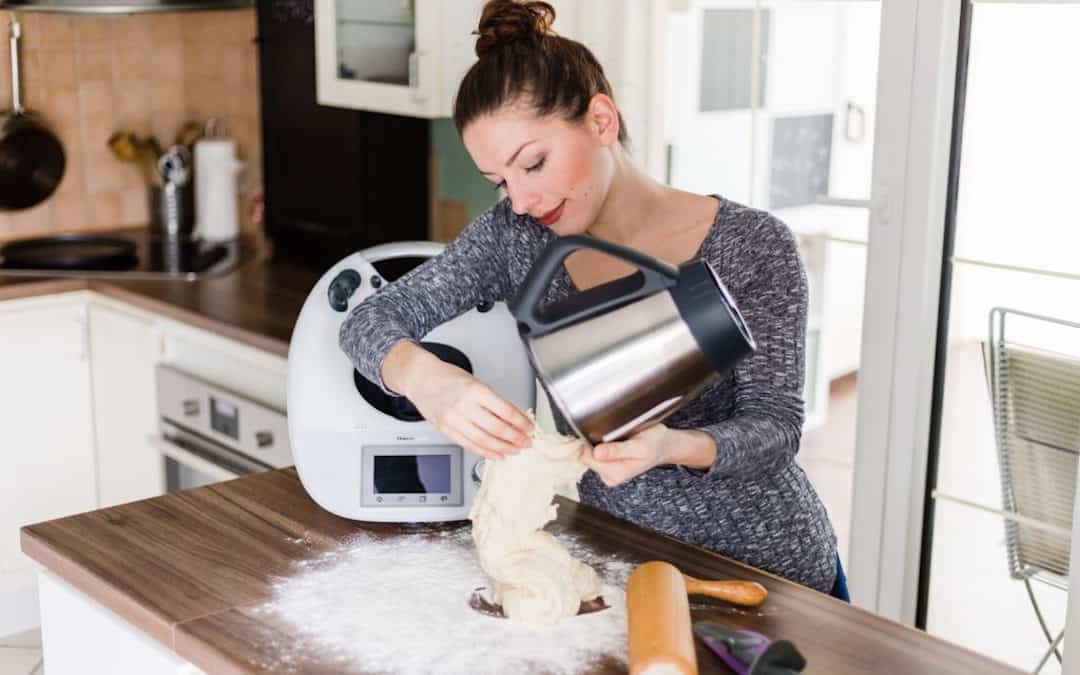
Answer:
x=522 y=201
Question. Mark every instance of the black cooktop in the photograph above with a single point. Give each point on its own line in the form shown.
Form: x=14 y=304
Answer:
x=121 y=253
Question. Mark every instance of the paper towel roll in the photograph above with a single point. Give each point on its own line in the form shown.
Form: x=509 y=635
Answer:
x=215 y=189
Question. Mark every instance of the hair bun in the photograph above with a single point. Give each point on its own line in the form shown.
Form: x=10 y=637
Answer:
x=506 y=23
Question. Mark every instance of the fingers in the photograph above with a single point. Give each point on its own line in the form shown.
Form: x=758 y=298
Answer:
x=615 y=463
x=618 y=452
x=505 y=411
x=482 y=442
x=500 y=430
x=611 y=474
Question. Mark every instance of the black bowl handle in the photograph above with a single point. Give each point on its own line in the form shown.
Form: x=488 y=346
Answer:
x=657 y=275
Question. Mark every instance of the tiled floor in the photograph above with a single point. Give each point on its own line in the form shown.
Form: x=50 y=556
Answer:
x=21 y=654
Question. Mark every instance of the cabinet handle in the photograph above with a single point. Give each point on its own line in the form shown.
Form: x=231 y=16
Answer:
x=83 y=320
x=189 y=459
x=418 y=94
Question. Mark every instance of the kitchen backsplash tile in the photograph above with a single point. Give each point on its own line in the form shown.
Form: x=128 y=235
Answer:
x=144 y=73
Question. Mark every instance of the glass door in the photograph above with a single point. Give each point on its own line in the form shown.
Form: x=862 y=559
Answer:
x=773 y=105
x=379 y=55
x=1003 y=458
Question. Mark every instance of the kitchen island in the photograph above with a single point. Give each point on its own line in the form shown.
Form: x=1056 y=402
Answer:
x=182 y=579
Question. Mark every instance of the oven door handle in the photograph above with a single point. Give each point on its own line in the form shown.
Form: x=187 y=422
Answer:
x=188 y=458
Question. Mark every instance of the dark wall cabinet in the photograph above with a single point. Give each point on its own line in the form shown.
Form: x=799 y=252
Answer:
x=336 y=180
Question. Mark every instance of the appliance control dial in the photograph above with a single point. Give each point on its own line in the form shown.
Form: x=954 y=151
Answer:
x=191 y=407
x=342 y=288
x=478 y=472
x=264 y=439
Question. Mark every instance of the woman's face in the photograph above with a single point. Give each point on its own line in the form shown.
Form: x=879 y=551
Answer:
x=556 y=171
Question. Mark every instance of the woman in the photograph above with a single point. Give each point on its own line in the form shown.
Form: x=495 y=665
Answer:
x=538 y=118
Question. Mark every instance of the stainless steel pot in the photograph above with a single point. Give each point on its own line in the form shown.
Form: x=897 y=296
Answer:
x=624 y=355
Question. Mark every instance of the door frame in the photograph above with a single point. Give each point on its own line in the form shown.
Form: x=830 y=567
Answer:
x=916 y=84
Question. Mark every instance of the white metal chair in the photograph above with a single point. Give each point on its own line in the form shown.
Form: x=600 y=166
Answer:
x=1035 y=394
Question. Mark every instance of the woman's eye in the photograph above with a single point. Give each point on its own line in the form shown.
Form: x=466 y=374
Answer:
x=536 y=167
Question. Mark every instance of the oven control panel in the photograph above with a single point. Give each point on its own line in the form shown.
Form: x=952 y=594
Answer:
x=240 y=423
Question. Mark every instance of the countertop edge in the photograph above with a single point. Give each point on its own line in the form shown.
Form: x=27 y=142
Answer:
x=31 y=289
x=134 y=613
x=56 y=286
x=169 y=310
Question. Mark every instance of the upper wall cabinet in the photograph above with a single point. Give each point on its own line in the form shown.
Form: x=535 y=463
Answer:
x=407 y=57
x=395 y=56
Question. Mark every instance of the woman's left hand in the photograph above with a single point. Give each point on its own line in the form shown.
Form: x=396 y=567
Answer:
x=618 y=462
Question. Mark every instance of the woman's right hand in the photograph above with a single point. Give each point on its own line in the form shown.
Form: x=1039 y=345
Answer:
x=463 y=408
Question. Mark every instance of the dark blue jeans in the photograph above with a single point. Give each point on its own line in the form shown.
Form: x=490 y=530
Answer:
x=839 y=588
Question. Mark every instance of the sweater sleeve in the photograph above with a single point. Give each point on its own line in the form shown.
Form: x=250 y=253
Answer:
x=471 y=270
x=763 y=270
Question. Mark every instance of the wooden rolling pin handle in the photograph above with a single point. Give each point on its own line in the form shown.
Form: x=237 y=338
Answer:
x=745 y=593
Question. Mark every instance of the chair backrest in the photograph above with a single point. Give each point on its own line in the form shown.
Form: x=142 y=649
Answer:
x=1036 y=405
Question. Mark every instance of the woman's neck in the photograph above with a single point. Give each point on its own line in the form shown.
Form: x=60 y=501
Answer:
x=633 y=203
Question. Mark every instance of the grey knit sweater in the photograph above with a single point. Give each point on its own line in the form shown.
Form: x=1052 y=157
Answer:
x=755 y=504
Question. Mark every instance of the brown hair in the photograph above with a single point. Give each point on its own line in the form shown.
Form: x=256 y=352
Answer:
x=520 y=58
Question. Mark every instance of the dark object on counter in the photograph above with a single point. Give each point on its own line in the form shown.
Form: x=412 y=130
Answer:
x=749 y=653
x=479 y=602
x=129 y=253
x=172 y=210
x=336 y=180
x=121 y=6
x=624 y=355
x=182 y=256
x=68 y=252
x=31 y=156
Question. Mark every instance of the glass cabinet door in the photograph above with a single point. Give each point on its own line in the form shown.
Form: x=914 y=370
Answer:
x=379 y=55
x=376 y=40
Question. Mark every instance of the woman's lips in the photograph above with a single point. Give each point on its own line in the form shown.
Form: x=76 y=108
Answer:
x=552 y=216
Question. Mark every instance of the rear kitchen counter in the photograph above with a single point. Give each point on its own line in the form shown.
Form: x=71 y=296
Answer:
x=192 y=570
x=255 y=304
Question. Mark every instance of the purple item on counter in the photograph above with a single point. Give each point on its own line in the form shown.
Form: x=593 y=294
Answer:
x=750 y=653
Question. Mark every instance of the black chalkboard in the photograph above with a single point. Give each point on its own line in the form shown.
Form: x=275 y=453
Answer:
x=801 y=154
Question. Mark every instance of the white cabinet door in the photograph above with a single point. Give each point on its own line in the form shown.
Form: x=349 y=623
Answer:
x=46 y=432
x=125 y=348
x=380 y=55
x=407 y=57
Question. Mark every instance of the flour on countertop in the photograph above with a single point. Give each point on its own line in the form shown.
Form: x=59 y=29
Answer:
x=400 y=605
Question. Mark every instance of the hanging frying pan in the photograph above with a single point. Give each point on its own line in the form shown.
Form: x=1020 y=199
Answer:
x=31 y=157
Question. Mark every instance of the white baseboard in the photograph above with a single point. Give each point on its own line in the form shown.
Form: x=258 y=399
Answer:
x=19 y=611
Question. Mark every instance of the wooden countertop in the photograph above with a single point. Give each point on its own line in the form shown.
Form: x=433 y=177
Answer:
x=255 y=304
x=189 y=569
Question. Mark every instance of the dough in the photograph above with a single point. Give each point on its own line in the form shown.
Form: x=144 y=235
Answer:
x=536 y=580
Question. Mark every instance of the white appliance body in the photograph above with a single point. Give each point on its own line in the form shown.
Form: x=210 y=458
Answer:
x=360 y=462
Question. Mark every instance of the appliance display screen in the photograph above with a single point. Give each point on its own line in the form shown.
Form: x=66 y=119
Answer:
x=412 y=474
x=225 y=418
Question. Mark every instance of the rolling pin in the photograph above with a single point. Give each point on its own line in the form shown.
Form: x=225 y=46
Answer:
x=658 y=614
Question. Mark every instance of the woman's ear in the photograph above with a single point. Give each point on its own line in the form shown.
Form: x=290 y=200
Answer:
x=603 y=119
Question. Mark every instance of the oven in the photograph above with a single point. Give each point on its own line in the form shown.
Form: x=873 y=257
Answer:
x=209 y=434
